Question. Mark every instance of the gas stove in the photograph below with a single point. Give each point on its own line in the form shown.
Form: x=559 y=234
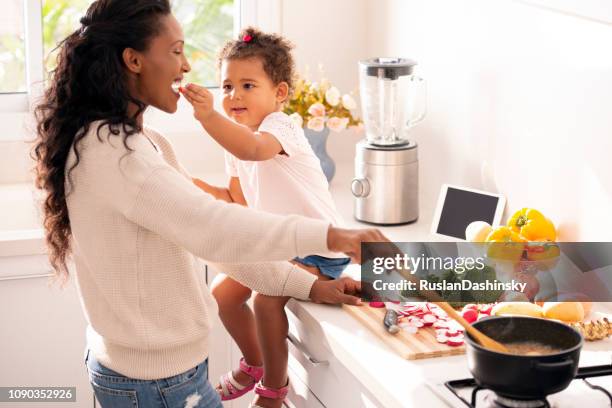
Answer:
x=591 y=388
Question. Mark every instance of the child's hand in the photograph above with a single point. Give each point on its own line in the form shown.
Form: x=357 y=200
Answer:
x=201 y=99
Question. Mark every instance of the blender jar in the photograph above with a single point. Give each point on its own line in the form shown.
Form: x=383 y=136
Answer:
x=392 y=99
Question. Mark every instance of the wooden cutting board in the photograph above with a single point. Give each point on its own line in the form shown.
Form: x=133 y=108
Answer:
x=417 y=346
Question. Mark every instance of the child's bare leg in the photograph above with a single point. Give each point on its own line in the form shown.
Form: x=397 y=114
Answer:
x=272 y=330
x=239 y=321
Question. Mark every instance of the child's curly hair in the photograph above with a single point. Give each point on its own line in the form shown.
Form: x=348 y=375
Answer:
x=273 y=50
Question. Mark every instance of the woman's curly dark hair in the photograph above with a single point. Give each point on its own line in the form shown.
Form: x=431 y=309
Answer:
x=89 y=84
x=273 y=50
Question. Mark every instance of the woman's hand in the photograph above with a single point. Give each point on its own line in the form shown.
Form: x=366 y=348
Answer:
x=349 y=240
x=336 y=291
x=201 y=99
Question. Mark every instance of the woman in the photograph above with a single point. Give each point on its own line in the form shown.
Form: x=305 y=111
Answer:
x=118 y=200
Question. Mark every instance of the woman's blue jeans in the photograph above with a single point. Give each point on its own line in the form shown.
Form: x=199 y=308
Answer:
x=190 y=389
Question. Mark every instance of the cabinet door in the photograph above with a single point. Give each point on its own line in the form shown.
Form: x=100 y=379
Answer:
x=299 y=395
x=312 y=360
x=43 y=336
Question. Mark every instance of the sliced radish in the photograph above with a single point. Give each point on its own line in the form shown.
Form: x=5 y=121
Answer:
x=470 y=315
x=453 y=332
x=441 y=339
x=377 y=305
x=453 y=325
x=454 y=342
x=440 y=324
x=429 y=319
x=409 y=309
x=440 y=313
x=471 y=306
x=411 y=329
x=416 y=323
x=486 y=309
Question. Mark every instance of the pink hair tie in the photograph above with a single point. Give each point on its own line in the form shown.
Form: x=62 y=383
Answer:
x=247 y=38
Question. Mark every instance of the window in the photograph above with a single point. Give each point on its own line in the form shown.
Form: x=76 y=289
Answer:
x=30 y=30
x=207 y=24
x=12 y=48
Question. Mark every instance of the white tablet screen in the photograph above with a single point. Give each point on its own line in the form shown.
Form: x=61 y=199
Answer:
x=462 y=208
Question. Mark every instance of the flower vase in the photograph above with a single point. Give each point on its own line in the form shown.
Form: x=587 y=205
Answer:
x=318 y=142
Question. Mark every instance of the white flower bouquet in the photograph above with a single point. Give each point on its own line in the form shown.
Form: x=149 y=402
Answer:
x=320 y=104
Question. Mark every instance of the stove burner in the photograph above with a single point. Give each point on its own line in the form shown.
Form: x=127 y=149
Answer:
x=503 y=402
x=489 y=399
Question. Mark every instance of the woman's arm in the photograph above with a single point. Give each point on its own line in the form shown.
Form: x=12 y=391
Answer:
x=144 y=188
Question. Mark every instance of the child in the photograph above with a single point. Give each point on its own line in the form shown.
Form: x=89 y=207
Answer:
x=272 y=168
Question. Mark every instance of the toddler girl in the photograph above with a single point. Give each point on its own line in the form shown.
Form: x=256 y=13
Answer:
x=272 y=168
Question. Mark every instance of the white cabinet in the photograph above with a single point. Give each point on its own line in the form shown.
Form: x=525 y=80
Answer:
x=42 y=335
x=299 y=395
x=311 y=360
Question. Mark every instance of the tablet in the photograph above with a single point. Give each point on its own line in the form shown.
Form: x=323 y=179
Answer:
x=459 y=206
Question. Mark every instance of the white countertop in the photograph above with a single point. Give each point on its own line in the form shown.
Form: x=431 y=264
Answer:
x=394 y=381
x=397 y=382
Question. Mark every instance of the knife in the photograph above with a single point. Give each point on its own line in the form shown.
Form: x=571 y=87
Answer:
x=391 y=317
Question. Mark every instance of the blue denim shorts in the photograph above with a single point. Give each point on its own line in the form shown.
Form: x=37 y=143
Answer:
x=331 y=267
x=113 y=390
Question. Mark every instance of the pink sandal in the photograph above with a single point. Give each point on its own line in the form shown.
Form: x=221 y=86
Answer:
x=232 y=389
x=272 y=393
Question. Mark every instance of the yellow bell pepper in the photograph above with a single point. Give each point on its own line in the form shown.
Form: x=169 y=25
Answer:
x=505 y=244
x=532 y=225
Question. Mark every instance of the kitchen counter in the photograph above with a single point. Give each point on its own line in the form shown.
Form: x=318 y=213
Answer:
x=394 y=381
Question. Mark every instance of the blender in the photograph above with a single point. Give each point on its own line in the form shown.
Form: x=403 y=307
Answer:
x=386 y=163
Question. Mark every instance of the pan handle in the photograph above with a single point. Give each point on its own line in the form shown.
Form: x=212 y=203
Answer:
x=553 y=366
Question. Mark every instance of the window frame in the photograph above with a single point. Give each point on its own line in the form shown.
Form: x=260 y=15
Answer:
x=15 y=107
x=32 y=18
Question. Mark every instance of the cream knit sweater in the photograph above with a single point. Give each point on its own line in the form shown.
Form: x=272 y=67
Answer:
x=139 y=225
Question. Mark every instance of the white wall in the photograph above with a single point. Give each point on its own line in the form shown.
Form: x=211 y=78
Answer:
x=198 y=151
x=333 y=34
x=519 y=102
x=518 y=99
